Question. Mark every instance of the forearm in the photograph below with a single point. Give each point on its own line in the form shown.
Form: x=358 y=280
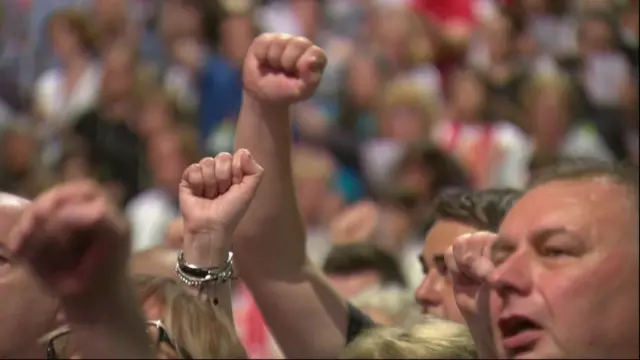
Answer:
x=304 y=313
x=111 y=328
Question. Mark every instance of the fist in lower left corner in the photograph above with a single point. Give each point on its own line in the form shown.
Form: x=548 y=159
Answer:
x=74 y=240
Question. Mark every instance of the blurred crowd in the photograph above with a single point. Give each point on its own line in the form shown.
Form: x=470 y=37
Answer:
x=418 y=96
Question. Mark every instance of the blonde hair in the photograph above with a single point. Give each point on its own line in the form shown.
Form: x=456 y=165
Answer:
x=408 y=94
x=432 y=339
x=195 y=326
x=392 y=301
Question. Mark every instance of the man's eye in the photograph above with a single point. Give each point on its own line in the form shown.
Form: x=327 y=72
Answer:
x=554 y=252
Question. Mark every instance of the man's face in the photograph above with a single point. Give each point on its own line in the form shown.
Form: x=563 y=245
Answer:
x=435 y=293
x=26 y=311
x=566 y=281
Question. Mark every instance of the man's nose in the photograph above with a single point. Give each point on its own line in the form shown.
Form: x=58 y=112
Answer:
x=429 y=294
x=513 y=276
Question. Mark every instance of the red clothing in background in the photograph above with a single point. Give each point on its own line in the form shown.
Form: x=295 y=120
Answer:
x=446 y=11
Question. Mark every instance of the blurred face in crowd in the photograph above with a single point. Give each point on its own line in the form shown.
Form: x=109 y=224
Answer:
x=566 y=277
x=64 y=41
x=119 y=73
x=549 y=118
x=110 y=11
x=178 y=20
x=435 y=293
x=596 y=37
x=363 y=81
x=403 y=123
x=237 y=34
x=75 y=167
x=26 y=311
x=469 y=96
x=499 y=38
x=155 y=116
x=166 y=159
x=18 y=151
x=308 y=13
x=313 y=170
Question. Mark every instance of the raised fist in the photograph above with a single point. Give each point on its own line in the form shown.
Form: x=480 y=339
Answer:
x=216 y=192
x=74 y=240
x=282 y=69
x=469 y=263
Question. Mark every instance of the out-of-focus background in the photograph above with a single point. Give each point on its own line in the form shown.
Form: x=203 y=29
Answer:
x=418 y=96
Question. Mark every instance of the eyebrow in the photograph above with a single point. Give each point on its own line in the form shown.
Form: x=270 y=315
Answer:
x=504 y=244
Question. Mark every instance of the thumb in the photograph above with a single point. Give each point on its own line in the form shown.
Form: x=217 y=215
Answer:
x=251 y=170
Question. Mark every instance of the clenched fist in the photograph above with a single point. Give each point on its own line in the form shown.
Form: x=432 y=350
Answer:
x=282 y=69
x=469 y=263
x=216 y=192
x=74 y=240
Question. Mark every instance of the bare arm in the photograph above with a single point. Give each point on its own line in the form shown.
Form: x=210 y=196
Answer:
x=304 y=313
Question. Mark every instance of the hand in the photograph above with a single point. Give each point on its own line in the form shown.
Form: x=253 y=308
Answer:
x=215 y=193
x=468 y=261
x=282 y=69
x=75 y=241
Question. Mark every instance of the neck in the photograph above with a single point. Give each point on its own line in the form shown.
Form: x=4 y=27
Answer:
x=75 y=62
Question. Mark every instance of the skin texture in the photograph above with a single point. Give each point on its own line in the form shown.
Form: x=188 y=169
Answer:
x=435 y=293
x=26 y=311
x=567 y=258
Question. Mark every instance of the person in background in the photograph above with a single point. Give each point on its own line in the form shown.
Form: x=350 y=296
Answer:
x=21 y=171
x=352 y=268
x=158 y=112
x=62 y=93
x=433 y=338
x=109 y=128
x=387 y=305
x=552 y=124
x=202 y=78
x=488 y=148
x=168 y=153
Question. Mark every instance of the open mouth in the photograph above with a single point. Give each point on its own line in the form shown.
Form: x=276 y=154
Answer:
x=519 y=334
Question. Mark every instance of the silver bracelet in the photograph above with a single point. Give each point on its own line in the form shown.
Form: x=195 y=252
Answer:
x=196 y=276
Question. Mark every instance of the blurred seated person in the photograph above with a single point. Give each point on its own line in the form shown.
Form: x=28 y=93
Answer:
x=201 y=78
x=109 y=129
x=353 y=268
x=63 y=93
x=169 y=152
x=489 y=148
x=21 y=171
x=406 y=113
x=434 y=338
x=553 y=125
x=388 y=305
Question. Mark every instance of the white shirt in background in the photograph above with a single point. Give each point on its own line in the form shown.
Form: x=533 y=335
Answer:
x=60 y=108
x=149 y=214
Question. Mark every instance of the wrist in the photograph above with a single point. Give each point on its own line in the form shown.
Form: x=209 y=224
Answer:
x=206 y=249
x=265 y=109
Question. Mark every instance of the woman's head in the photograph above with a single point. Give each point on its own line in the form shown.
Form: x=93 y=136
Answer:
x=71 y=33
x=407 y=112
x=157 y=113
x=548 y=103
x=180 y=325
x=433 y=339
x=468 y=96
x=120 y=72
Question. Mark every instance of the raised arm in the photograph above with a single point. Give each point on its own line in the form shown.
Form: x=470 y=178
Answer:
x=306 y=316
